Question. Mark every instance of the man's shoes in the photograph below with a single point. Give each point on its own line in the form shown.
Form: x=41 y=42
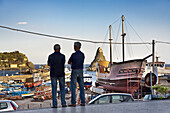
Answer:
x=82 y=104
x=54 y=107
x=72 y=105
x=64 y=106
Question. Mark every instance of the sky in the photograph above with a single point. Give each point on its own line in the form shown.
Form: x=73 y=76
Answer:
x=145 y=20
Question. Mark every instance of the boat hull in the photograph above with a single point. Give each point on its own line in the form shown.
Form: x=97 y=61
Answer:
x=123 y=86
x=87 y=84
x=124 y=77
x=34 y=84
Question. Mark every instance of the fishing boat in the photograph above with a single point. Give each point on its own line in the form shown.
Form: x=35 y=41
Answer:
x=67 y=75
x=161 y=71
x=33 y=84
x=27 y=95
x=122 y=76
x=87 y=80
x=160 y=68
x=21 y=85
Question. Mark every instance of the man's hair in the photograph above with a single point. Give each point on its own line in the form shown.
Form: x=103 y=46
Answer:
x=56 y=47
x=77 y=44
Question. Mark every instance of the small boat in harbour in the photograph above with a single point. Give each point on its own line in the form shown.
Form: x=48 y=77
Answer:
x=87 y=80
x=33 y=84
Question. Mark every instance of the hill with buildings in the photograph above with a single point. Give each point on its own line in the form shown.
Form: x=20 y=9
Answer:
x=14 y=60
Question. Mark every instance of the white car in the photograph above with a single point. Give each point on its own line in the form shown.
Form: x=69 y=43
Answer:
x=112 y=98
x=8 y=105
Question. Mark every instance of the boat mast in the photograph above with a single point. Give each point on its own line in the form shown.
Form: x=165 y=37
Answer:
x=110 y=27
x=123 y=36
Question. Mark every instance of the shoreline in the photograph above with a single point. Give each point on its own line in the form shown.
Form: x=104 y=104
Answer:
x=10 y=69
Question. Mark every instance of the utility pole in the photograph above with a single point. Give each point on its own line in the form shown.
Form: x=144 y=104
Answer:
x=110 y=28
x=153 y=57
x=151 y=84
x=153 y=64
x=123 y=36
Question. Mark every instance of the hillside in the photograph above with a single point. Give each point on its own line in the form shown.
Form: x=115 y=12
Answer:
x=15 y=60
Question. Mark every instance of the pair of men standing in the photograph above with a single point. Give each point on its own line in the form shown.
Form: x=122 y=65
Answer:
x=56 y=62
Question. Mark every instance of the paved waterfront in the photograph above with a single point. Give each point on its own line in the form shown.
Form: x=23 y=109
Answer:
x=162 y=106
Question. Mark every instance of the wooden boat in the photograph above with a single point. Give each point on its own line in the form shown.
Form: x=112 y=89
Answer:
x=42 y=93
x=32 y=84
x=122 y=76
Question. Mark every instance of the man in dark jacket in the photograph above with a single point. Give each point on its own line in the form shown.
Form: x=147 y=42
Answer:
x=77 y=60
x=56 y=62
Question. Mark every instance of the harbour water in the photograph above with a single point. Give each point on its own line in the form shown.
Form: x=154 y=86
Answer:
x=8 y=72
x=167 y=65
x=15 y=72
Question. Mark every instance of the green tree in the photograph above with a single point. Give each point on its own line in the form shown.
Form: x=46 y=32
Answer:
x=156 y=88
x=160 y=89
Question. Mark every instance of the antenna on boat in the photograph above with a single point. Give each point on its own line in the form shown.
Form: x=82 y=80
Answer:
x=123 y=36
x=110 y=27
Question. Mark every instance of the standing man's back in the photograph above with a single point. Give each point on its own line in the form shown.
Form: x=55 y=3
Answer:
x=56 y=62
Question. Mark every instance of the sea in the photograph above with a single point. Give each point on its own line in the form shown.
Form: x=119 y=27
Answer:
x=15 y=72
x=167 y=65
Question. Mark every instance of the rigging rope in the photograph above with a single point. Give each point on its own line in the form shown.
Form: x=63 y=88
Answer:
x=105 y=37
x=162 y=42
x=137 y=33
x=115 y=47
x=116 y=21
x=129 y=48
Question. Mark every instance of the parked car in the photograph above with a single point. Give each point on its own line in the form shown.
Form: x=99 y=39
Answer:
x=148 y=97
x=112 y=98
x=8 y=105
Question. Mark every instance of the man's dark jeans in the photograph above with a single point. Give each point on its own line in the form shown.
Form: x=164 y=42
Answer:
x=54 y=90
x=77 y=76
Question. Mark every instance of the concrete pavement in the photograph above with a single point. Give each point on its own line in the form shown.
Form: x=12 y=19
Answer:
x=161 y=106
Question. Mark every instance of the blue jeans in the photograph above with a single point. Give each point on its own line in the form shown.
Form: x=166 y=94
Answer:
x=77 y=76
x=54 y=90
